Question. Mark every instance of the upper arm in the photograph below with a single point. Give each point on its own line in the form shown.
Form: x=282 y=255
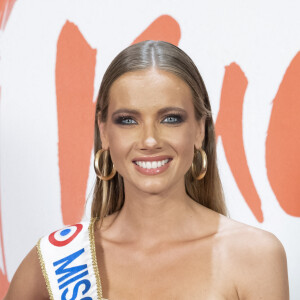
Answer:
x=263 y=273
x=28 y=281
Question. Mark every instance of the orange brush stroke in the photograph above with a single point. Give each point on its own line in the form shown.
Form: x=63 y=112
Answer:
x=229 y=127
x=6 y=7
x=75 y=71
x=164 y=28
x=4 y=283
x=283 y=141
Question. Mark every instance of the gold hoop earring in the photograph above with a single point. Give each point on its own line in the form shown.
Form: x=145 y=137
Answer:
x=203 y=167
x=97 y=167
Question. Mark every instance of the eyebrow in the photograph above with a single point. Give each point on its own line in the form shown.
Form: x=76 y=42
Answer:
x=160 y=112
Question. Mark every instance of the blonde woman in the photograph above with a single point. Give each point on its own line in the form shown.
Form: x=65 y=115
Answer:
x=159 y=226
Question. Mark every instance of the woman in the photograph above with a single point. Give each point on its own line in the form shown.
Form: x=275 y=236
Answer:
x=159 y=228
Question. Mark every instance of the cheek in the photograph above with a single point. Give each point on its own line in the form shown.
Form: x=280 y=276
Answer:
x=120 y=144
x=182 y=141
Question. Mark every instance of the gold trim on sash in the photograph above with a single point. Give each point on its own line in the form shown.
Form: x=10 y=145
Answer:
x=94 y=258
x=42 y=264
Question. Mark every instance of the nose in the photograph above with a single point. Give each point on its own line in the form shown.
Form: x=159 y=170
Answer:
x=149 y=137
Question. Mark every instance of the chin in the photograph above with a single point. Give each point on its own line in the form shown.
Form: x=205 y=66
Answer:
x=154 y=188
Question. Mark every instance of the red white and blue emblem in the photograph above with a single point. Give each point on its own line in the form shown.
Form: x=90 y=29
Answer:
x=64 y=236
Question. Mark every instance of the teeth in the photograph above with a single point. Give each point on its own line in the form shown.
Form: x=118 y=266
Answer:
x=151 y=164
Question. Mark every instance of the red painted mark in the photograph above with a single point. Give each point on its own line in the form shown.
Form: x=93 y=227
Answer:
x=4 y=283
x=6 y=7
x=229 y=127
x=75 y=71
x=283 y=141
x=164 y=28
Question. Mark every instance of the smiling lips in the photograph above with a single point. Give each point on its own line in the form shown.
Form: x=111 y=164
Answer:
x=152 y=165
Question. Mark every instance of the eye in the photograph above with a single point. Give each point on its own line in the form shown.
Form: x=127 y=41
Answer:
x=172 y=119
x=125 y=120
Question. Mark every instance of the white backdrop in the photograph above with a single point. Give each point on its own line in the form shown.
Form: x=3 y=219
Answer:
x=257 y=39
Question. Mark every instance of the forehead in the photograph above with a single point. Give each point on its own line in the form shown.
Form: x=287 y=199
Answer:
x=149 y=89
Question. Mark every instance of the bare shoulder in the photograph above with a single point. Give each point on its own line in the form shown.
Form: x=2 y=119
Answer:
x=242 y=237
x=28 y=281
x=256 y=260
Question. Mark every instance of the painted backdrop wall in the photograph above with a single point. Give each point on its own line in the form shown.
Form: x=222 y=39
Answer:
x=53 y=56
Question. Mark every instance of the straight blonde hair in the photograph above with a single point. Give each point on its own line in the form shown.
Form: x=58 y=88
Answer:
x=108 y=196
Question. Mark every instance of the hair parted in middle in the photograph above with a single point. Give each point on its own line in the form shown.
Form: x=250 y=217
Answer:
x=108 y=196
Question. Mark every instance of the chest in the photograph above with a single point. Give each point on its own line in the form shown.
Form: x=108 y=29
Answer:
x=167 y=272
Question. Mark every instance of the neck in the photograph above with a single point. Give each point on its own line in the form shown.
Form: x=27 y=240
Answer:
x=148 y=219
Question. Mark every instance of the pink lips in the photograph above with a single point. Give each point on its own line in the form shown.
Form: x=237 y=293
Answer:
x=155 y=171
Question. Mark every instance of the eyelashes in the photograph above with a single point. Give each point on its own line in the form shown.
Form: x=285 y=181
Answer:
x=168 y=119
x=173 y=119
x=124 y=120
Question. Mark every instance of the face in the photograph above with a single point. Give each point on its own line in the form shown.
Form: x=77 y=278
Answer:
x=151 y=130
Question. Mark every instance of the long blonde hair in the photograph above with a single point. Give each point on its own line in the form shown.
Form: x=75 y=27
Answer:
x=108 y=196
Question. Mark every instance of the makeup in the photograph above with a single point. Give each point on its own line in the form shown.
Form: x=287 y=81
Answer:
x=152 y=165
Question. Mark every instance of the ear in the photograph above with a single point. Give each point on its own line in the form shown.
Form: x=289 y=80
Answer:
x=103 y=133
x=200 y=133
